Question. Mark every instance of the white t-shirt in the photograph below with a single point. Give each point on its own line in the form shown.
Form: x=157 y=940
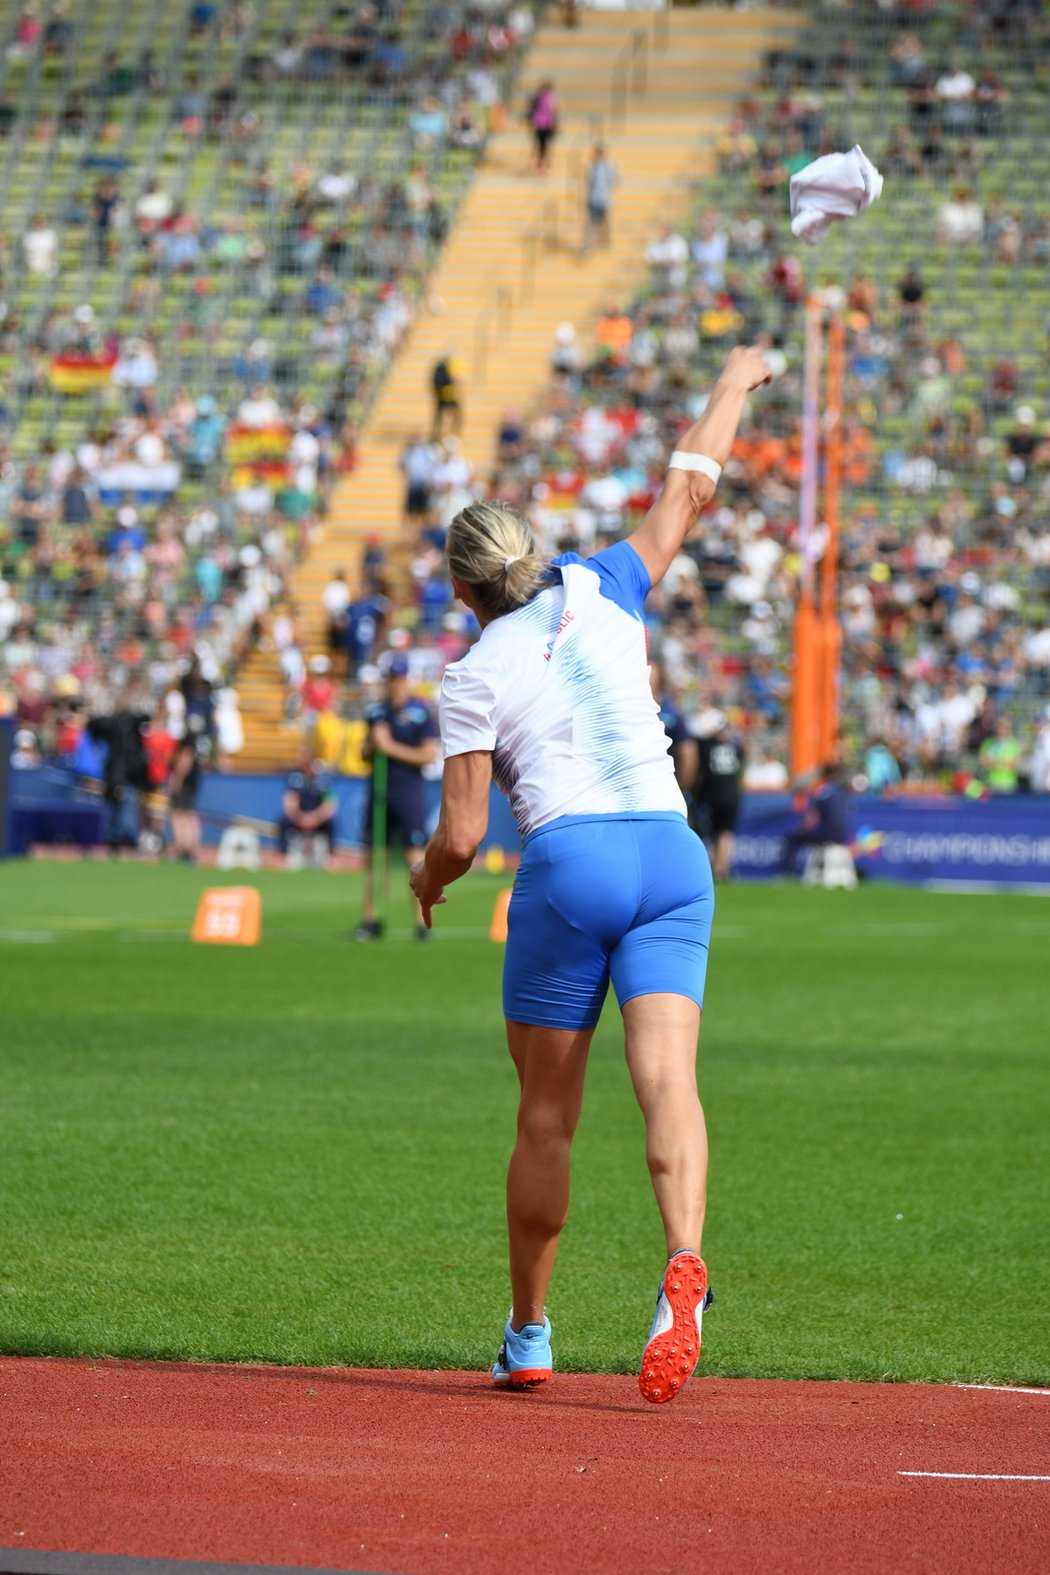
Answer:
x=41 y=250
x=335 y=598
x=558 y=691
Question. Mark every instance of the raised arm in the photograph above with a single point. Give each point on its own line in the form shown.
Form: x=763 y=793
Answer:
x=659 y=537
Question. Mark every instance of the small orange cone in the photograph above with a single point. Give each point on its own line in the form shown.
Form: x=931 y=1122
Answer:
x=228 y=916
x=498 y=927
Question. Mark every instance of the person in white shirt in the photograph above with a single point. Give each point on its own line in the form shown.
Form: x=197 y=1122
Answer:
x=304 y=452
x=335 y=599
x=961 y=220
x=336 y=185
x=956 y=83
x=153 y=207
x=136 y=366
x=955 y=89
x=668 y=255
x=40 y=245
x=259 y=408
x=553 y=703
x=1039 y=763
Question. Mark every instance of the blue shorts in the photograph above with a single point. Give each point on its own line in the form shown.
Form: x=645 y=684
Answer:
x=406 y=821
x=606 y=897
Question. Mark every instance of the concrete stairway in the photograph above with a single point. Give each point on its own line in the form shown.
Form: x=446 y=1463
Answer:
x=656 y=88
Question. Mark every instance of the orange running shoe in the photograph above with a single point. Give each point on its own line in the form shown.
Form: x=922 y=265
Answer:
x=673 y=1348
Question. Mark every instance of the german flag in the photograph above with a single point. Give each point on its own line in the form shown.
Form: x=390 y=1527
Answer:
x=257 y=446
x=79 y=374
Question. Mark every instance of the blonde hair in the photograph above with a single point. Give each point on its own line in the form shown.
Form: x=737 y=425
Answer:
x=490 y=547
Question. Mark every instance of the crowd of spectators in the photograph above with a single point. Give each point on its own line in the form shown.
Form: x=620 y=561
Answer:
x=161 y=537
x=945 y=551
x=945 y=579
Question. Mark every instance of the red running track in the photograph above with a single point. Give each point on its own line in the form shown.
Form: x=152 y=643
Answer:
x=428 y=1473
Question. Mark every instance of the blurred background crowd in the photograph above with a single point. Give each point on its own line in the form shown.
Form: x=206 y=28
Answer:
x=201 y=289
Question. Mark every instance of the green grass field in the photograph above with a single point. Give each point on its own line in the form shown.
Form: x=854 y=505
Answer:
x=295 y=1153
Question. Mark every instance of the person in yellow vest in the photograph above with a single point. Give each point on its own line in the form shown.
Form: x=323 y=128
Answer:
x=446 y=382
x=327 y=738
x=999 y=757
x=353 y=762
x=338 y=742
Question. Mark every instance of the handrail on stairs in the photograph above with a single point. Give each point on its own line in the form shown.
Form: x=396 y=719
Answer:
x=544 y=235
x=630 y=77
x=662 y=26
x=497 y=313
x=630 y=74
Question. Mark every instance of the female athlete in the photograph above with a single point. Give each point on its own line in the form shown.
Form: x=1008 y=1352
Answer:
x=554 y=704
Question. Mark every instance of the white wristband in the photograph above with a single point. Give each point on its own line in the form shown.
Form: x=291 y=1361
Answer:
x=680 y=460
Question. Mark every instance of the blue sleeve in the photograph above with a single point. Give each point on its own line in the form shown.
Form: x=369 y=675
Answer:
x=625 y=579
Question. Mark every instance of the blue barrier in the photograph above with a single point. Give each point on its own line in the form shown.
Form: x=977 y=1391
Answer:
x=57 y=821
x=7 y=733
x=223 y=797
x=919 y=841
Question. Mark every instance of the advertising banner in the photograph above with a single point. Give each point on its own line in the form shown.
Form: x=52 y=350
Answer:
x=919 y=841
x=926 y=841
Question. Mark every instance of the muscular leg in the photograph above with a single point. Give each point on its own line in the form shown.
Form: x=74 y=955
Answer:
x=551 y=1063
x=661 y=1037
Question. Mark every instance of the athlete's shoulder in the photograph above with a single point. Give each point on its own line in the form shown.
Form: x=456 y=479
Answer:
x=471 y=673
x=621 y=575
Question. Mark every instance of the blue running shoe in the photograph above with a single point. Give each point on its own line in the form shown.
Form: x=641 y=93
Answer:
x=673 y=1347
x=525 y=1356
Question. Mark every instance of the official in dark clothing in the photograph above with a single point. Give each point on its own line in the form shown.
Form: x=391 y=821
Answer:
x=683 y=744
x=125 y=775
x=716 y=793
x=403 y=730
x=309 y=806
x=826 y=818
x=183 y=788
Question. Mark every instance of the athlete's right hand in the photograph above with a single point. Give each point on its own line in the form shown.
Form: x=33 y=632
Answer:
x=417 y=880
x=747 y=364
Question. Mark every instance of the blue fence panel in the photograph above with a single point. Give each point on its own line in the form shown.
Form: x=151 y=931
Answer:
x=919 y=841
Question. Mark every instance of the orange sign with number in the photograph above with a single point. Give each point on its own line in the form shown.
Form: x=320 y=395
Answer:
x=228 y=916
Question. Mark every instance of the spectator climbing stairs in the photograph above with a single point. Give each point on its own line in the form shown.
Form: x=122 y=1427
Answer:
x=655 y=88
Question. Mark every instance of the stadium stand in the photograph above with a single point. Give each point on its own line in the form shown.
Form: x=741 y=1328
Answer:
x=947 y=553
x=219 y=221
x=947 y=629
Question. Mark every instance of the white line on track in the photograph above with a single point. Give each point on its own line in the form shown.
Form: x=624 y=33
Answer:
x=1005 y=1389
x=153 y=935
x=972 y=1476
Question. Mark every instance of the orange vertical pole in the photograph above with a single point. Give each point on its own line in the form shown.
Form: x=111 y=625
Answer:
x=830 y=627
x=805 y=720
x=805 y=711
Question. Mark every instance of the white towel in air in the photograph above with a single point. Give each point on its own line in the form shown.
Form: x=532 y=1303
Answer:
x=838 y=186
